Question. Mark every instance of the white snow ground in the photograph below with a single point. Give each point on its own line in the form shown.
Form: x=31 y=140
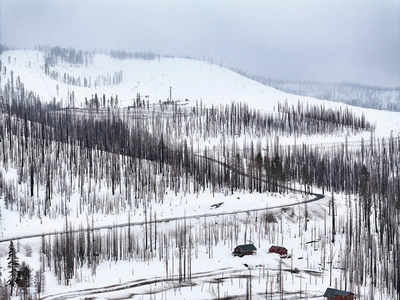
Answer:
x=210 y=84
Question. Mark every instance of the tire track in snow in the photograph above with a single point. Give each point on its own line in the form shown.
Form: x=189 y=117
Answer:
x=140 y=283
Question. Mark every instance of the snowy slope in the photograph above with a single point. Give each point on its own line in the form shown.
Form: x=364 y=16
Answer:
x=212 y=85
x=189 y=79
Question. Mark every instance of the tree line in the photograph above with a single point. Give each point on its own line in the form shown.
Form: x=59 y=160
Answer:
x=382 y=98
x=21 y=277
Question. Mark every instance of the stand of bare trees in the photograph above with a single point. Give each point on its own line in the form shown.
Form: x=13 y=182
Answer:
x=119 y=162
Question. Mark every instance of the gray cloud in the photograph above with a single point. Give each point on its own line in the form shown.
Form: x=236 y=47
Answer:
x=303 y=40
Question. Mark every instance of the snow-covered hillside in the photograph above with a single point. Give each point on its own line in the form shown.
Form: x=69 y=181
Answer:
x=146 y=203
x=188 y=79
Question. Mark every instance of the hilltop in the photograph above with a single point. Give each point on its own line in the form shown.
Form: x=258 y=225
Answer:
x=191 y=82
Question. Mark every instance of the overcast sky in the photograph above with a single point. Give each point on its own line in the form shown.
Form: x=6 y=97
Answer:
x=324 y=40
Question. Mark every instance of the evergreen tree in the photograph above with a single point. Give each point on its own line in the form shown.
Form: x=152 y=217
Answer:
x=259 y=164
x=13 y=266
x=39 y=281
x=24 y=279
x=277 y=172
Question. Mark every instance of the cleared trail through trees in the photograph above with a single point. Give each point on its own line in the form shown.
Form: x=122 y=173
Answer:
x=316 y=195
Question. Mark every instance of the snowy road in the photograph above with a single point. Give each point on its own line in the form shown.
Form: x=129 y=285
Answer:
x=194 y=279
x=316 y=197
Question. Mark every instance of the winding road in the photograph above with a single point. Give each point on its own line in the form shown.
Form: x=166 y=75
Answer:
x=315 y=197
x=195 y=279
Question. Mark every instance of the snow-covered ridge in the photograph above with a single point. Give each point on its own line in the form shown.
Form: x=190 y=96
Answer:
x=155 y=79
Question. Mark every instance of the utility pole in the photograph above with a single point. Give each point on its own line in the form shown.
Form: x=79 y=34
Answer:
x=170 y=93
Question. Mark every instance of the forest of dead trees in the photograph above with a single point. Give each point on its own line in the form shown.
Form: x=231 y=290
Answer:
x=136 y=160
x=382 y=98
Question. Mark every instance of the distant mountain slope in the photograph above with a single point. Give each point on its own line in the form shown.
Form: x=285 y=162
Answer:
x=345 y=92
